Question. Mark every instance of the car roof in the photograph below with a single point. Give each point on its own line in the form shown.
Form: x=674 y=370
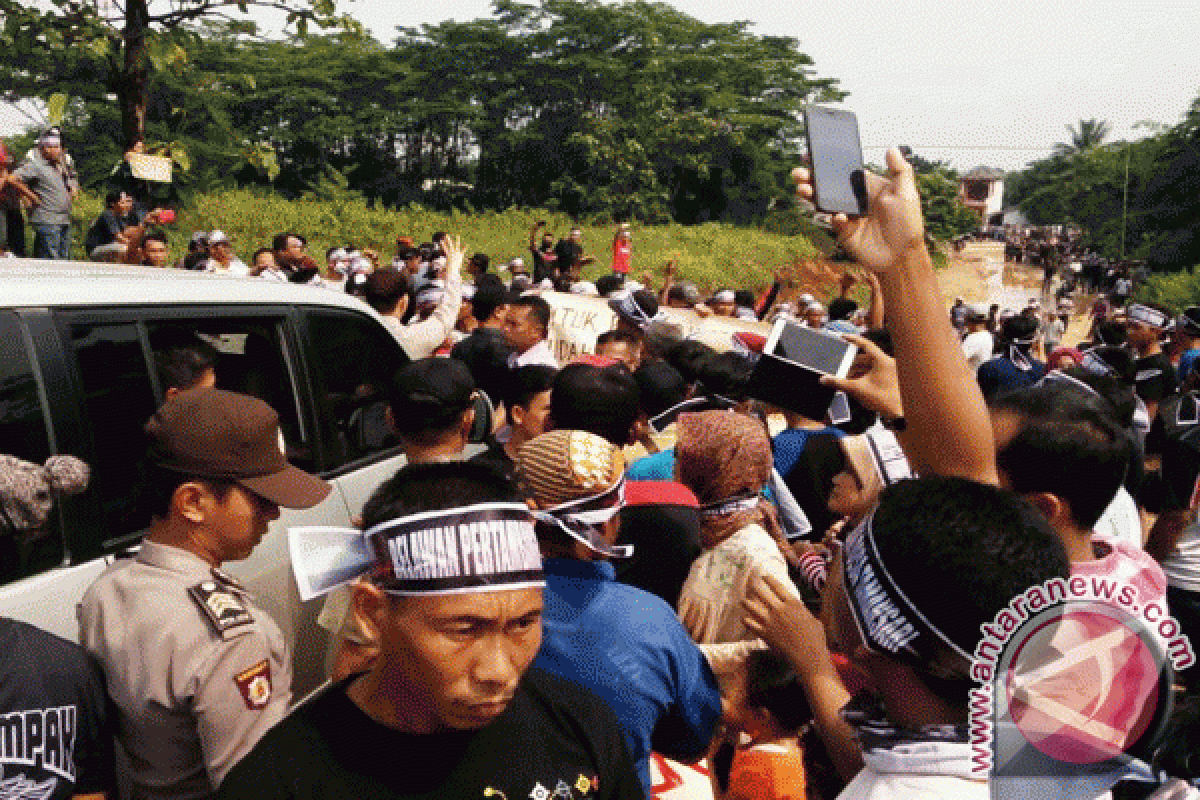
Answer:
x=30 y=282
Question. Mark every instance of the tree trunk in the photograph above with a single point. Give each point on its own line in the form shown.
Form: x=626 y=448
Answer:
x=132 y=90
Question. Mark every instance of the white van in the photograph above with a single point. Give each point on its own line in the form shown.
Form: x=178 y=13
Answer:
x=77 y=377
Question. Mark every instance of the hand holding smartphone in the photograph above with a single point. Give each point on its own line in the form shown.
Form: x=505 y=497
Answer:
x=835 y=153
x=788 y=374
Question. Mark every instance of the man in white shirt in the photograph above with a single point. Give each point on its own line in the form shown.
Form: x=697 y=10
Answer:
x=221 y=257
x=977 y=344
x=386 y=291
x=526 y=327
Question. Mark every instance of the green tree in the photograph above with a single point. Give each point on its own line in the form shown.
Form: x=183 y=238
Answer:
x=1085 y=135
x=135 y=40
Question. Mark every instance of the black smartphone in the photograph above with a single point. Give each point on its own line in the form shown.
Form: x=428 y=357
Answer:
x=789 y=372
x=835 y=153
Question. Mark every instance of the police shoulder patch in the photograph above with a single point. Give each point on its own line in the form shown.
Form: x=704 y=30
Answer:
x=225 y=612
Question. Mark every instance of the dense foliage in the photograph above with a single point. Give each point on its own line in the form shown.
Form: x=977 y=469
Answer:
x=632 y=110
x=1085 y=184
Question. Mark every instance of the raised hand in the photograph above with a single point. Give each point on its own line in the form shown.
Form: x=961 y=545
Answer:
x=455 y=252
x=779 y=617
x=893 y=224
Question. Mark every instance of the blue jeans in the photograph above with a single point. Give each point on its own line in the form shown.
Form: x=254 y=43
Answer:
x=52 y=241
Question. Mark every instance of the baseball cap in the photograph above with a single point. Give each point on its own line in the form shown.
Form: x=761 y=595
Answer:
x=430 y=394
x=212 y=433
x=217 y=237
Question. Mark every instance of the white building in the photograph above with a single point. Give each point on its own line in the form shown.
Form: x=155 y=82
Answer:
x=982 y=191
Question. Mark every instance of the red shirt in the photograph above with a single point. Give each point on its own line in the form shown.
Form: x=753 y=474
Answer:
x=622 y=256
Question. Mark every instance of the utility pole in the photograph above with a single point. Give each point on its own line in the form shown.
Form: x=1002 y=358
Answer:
x=1125 y=203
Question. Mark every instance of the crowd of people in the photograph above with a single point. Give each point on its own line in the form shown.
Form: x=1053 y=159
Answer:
x=643 y=559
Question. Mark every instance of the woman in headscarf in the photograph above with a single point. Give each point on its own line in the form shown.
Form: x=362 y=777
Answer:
x=725 y=459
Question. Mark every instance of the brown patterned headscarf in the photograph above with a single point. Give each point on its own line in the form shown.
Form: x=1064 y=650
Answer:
x=725 y=458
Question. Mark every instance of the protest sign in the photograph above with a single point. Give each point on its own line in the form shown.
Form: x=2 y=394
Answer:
x=576 y=321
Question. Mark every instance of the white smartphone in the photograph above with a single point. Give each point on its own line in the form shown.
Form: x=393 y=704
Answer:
x=818 y=350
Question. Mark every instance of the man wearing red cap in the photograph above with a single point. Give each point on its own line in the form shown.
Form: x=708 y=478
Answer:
x=197 y=671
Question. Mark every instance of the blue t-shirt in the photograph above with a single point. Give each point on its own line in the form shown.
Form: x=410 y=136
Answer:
x=656 y=467
x=629 y=647
x=1187 y=362
x=789 y=445
x=1002 y=375
x=661 y=467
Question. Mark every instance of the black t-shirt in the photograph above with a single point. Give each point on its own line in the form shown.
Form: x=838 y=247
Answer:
x=555 y=740
x=545 y=263
x=496 y=457
x=486 y=354
x=56 y=742
x=568 y=253
x=104 y=230
x=1155 y=378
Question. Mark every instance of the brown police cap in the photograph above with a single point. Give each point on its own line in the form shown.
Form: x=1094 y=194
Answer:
x=211 y=433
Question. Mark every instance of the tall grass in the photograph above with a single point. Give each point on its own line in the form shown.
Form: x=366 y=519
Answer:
x=712 y=255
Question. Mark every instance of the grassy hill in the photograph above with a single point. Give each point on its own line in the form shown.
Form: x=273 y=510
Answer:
x=713 y=254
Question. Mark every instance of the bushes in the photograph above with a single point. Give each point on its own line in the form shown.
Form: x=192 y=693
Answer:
x=1175 y=290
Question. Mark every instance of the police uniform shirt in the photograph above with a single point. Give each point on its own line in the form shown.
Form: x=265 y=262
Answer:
x=197 y=672
x=555 y=741
x=55 y=741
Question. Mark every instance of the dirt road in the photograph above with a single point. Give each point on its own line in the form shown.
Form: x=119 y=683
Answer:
x=979 y=274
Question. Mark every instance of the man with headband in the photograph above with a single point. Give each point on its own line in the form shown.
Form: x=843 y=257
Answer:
x=621 y=642
x=449 y=707
x=1155 y=377
x=635 y=310
x=937 y=557
x=49 y=174
x=1015 y=367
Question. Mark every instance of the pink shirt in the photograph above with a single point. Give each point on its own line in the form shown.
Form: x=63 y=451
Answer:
x=1123 y=564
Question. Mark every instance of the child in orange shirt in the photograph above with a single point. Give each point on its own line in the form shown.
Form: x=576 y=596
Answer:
x=772 y=713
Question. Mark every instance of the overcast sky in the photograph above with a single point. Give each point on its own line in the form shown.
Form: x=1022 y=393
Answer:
x=968 y=81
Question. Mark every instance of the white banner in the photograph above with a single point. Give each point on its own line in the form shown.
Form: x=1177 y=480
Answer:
x=577 y=320
x=326 y=557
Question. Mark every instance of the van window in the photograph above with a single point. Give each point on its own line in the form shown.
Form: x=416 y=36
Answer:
x=23 y=435
x=247 y=355
x=127 y=368
x=354 y=359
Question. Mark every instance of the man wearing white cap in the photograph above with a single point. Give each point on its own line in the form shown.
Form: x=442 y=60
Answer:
x=221 y=257
x=977 y=345
x=48 y=173
x=449 y=708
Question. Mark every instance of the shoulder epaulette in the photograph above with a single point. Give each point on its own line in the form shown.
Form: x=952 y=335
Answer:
x=224 y=611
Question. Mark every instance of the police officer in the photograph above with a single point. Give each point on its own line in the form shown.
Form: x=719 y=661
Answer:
x=197 y=671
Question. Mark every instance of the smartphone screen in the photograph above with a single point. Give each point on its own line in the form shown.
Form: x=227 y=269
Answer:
x=823 y=352
x=835 y=153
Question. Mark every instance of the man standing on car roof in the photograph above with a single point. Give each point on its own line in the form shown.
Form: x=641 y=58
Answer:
x=197 y=671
